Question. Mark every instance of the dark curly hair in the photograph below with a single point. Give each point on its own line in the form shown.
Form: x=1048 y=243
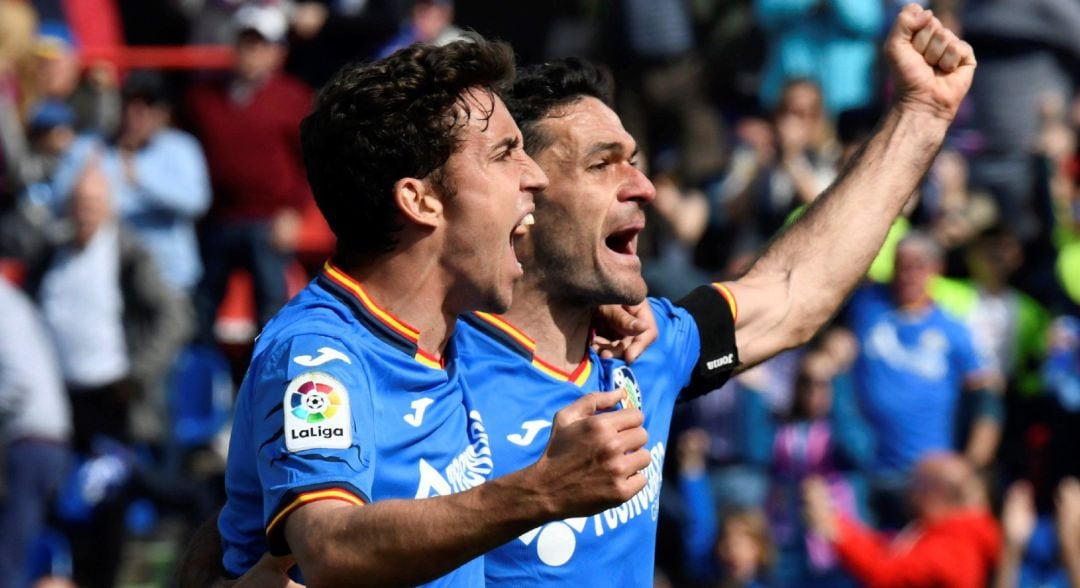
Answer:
x=402 y=116
x=541 y=90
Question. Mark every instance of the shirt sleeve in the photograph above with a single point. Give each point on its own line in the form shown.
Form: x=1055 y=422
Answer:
x=714 y=310
x=313 y=425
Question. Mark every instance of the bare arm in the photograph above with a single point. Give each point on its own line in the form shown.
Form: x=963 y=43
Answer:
x=1017 y=524
x=983 y=441
x=807 y=272
x=1068 y=524
x=592 y=462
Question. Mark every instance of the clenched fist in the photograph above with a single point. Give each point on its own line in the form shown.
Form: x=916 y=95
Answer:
x=933 y=66
x=594 y=457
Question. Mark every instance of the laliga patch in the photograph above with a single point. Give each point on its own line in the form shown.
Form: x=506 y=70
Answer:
x=623 y=377
x=317 y=414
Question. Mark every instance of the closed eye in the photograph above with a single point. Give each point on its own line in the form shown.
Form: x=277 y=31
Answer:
x=507 y=148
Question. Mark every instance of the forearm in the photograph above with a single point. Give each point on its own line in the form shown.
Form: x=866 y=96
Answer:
x=1070 y=558
x=345 y=545
x=983 y=441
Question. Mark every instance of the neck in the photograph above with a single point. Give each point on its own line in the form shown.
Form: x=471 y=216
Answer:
x=561 y=330
x=411 y=288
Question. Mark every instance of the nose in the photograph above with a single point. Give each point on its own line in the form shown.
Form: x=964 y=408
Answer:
x=533 y=179
x=639 y=188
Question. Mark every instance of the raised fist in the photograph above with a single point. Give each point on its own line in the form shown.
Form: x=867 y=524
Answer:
x=933 y=66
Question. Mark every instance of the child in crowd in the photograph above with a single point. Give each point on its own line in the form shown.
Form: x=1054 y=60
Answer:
x=807 y=445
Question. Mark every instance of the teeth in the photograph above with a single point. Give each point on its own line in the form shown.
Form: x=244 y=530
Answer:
x=528 y=220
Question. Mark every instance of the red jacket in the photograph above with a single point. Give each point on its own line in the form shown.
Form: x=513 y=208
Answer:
x=956 y=552
x=253 y=149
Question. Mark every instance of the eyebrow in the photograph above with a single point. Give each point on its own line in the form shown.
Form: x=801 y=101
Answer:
x=609 y=146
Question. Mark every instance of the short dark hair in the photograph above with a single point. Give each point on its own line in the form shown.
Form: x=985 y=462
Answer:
x=402 y=116
x=540 y=90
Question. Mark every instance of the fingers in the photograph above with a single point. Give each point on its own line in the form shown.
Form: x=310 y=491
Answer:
x=910 y=20
x=631 y=440
x=638 y=460
x=621 y=320
x=938 y=45
x=589 y=405
x=608 y=349
x=623 y=419
x=950 y=60
x=922 y=37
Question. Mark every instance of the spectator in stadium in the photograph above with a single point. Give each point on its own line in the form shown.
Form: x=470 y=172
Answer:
x=249 y=127
x=18 y=23
x=920 y=382
x=733 y=549
x=117 y=328
x=1061 y=378
x=50 y=132
x=94 y=96
x=430 y=21
x=788 y=171
x=327 y=34
x=35 y=431
x=662 y=102
x=1040 y=550
x=737 y=420
x=953 y=540
x=156 y=174
x=1009 y=327
x=673 y=226
x=1028 y=48
x=832 y=43
x=812 y=442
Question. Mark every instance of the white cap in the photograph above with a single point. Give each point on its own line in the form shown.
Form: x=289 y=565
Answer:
x=269 y=22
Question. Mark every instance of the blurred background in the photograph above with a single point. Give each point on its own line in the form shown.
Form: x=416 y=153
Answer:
x=154 y=214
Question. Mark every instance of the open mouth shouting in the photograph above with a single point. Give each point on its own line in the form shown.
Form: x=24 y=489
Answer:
x=519 y=231
x=621 y=243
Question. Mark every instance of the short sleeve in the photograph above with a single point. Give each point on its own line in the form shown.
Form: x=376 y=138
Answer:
x=713 y=309
x=313 y=428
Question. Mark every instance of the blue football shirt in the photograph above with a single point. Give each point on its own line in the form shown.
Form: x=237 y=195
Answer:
x=910 y=375
x=519 y=395
x=340 y=403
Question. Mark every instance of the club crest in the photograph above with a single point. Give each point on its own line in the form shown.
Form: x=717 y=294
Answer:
x=623 y=377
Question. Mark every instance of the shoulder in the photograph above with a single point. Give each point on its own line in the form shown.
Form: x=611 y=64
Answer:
x=952 y=325
x=175 y=138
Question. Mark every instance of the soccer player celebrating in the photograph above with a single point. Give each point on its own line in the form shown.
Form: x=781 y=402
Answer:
x=581 y=253
x=354 y=400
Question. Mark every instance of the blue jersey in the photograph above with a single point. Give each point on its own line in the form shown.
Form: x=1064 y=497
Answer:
x=520 y=395
x=910 y=375
x=340 y=403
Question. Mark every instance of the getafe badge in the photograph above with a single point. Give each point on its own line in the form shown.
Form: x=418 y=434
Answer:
x=623 y=377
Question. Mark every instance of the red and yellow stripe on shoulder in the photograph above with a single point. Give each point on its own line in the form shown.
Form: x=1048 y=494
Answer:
x=500 y=323
x=308 y=498
x=345 y=281
x=726 y=293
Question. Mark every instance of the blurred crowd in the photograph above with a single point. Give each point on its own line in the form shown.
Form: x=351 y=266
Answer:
x=151 y=220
